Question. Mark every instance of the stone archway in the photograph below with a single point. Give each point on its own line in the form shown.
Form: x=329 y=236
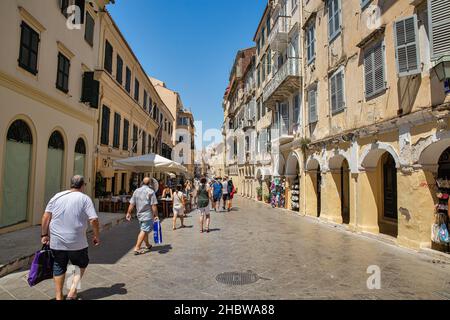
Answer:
x=378 y=191
x=292 y=174
x=339 y=205
x=313 y=187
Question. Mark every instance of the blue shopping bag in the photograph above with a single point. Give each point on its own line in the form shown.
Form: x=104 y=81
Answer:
x=157 y=233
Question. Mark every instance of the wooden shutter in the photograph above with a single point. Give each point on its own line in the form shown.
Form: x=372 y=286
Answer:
x=439 y=22
x=340 y=90
x=312 y=95
x=90 y=91
x=368 y=73
x=333 y=94
x=374 y=70
x=406 y=46
x=108 y=57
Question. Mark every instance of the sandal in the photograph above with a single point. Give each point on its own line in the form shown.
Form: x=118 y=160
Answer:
x=140 y=252
x=73 y=298
x=201 y=231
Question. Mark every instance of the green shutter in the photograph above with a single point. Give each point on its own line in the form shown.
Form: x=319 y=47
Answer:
x=439 y=22
x=406 y=46
x=312 y=96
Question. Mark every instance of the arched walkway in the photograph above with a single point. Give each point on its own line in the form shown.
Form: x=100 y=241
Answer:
x=340 y=172
x=378 y=191
x=313 y=188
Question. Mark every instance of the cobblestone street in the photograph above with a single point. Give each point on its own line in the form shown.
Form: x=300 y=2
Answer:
x=291 y=257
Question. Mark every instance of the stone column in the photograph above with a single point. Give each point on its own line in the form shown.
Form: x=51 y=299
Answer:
x=368 y=191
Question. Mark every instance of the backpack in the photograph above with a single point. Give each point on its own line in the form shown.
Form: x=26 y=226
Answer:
x=203 y=197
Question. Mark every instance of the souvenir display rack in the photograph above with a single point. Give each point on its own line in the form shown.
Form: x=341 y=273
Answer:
x=295 y=195
x=441 y=213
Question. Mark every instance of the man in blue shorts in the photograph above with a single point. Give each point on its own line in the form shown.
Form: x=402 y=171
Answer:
x=217 y=193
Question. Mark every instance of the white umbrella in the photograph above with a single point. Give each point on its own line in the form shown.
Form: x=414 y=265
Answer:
x=151 y=162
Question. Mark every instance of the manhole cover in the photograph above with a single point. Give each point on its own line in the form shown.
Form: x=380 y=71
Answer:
x=237 y=278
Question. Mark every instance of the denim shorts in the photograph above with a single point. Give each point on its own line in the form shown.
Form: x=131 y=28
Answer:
x=146 y=226
x=78 y=258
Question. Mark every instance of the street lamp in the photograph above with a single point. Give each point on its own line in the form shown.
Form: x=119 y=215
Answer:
x=442 y=68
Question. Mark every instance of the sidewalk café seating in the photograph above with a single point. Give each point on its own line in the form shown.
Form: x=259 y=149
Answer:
x=166 y=206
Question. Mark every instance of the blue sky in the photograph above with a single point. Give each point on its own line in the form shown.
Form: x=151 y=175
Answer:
x=190 y=44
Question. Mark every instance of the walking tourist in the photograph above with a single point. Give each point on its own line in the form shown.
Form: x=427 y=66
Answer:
x=217 y=193
x=145 y=202
x=232 y=191
x=179 y=205
x=64 y=226
x=203 y=203
x=225 y=194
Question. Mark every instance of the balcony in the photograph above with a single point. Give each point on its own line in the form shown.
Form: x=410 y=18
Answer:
x=284 y=83
x=279 y=35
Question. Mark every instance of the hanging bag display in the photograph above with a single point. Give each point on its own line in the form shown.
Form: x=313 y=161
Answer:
x=443 y=234
x=435 y=233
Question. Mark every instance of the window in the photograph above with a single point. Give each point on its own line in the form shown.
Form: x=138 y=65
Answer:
x=144 y=142
x=105 y=126
x=268 y=24
x=128 y=80
x=149 y=148
x=312 y=106
x=145 y=99
x=374 y=75
x=108 y=57
x=62 y=77
x=263 y=40
x=268 y=61
x=119 y=72
x=310 y=43
x=337 y=91
x=263 y=69
x=136 y=90
x=258 y=46
x=296 y=109
x=116 y=137
x=439 y=22
x=135 y=138
x=165 y=125
x=89 y=29
x=29 y=45
x=334 y=19
x=160 y=118
x=126 y=131
x=406 y=46
x=259 y=76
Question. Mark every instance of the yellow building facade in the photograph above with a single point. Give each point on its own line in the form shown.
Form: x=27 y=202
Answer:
x=359 y=131
x=46 y=134
x=133 y=119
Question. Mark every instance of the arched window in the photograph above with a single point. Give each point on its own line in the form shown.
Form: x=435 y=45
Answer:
x=16 y=178
x=80 y=158
x=54 y=170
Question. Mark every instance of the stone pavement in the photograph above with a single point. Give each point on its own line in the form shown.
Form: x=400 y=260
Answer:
x=291 y=257
x=18 y=248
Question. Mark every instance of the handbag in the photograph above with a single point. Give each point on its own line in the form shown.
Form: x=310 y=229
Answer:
x=435 y=233
x=41 y=267
x=157 y=233
x=443 y=234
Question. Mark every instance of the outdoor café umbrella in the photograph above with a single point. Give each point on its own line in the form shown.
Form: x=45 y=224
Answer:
x=151 y=162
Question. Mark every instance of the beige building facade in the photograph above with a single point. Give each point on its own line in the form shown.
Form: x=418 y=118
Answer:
x=183 y=137
x=47 y=134
x=133 y=119
x=359 y=97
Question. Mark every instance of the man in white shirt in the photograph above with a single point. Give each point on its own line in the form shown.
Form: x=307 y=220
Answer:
x=146 y=204
x=225 y=193
x=64 y=226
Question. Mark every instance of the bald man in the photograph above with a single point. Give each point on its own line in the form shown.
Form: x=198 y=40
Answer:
x=145 y=202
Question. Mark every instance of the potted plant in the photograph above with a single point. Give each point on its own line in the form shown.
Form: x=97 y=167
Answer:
x=259 y=193
x=267 y=198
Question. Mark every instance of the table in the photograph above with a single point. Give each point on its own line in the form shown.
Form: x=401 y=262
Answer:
x=166 y=205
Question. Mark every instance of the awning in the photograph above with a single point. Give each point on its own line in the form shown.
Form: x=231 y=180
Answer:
x=151 y=163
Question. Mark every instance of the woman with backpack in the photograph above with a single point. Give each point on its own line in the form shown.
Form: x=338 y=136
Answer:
x=232 y=191
x=203 y=202
x=179 y=203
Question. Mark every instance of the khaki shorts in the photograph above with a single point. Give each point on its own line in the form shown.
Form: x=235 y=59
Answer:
x=204 y=212
x=178 y=212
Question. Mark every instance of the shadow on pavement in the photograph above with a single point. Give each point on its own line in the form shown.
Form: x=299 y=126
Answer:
x=162 y=249
x=105 y=292
x=214 y=229
x=115 y=243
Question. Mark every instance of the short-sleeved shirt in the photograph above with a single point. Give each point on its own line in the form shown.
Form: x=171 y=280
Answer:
x=225 y=187
x=217 y=188
x=71 y=212
x=143 y=199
